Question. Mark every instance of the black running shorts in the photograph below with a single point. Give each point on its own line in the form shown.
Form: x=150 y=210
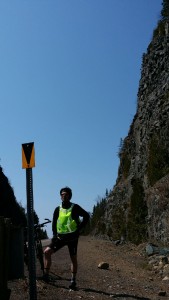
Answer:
x=71 y=241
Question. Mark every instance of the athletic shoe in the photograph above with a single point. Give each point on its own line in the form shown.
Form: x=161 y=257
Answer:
x=72 y=285
x=46 y=278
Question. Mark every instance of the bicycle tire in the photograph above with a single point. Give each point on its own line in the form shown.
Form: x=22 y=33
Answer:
x=39 y=254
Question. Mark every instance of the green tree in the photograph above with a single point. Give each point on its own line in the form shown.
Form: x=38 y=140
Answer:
x=107 y=193
x=137 y=225
x=121 y=145
x=98 y=212
x=35 y=218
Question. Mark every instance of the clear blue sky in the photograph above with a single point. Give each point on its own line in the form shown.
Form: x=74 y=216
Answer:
x=69 y=76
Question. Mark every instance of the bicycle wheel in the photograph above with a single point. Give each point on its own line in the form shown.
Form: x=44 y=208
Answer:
x=39 y=254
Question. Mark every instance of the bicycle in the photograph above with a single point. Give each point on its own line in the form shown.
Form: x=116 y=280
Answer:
x=38 y=244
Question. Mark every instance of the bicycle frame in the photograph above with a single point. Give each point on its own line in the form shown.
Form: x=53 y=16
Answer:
x=38 y=245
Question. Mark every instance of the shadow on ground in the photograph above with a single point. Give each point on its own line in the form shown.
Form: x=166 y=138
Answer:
x=121 y=296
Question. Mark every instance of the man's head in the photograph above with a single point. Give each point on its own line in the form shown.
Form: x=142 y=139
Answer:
x=66 y=194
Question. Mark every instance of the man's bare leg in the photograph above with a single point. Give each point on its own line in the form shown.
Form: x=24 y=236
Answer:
x=47 y=259
x=74 y=266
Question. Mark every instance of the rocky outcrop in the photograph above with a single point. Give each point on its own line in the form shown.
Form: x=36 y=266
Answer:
x=138 y=206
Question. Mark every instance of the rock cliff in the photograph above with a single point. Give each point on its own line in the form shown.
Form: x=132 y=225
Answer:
x=138 y=206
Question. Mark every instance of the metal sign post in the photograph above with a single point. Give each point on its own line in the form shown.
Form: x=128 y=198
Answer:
x=28 y=162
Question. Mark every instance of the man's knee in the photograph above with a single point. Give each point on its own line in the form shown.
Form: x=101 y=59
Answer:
x=48 y=252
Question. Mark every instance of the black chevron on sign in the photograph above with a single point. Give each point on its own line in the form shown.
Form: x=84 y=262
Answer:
x=27 y=148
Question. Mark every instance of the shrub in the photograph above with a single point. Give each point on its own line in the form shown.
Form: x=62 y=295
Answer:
x=136 y=225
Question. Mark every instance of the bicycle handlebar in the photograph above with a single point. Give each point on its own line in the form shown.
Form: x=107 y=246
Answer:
x=42 y=224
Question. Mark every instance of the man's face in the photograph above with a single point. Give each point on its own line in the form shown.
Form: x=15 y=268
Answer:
x=65 y=197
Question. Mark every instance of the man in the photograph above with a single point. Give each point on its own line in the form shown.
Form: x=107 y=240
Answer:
x=66 y=227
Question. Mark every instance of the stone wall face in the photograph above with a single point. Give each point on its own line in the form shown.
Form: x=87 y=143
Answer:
x=145 y=152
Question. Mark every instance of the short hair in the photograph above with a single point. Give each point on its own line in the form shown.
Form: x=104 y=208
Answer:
x=67 y=190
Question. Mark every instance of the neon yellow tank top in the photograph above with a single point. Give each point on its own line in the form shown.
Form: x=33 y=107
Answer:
x=65 y=223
